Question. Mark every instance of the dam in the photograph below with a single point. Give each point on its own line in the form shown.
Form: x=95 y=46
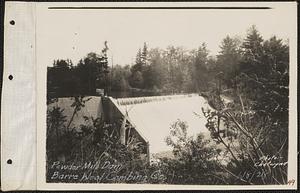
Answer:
x=151 y=117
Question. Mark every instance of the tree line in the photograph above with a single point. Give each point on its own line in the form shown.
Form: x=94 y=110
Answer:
x=167 y=71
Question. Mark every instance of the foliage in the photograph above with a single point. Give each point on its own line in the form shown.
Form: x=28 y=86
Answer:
x=95 y=141
x=119 y=77
x=229 y=59
x=253 y=126
x=65 y=79
x=194 y=158
x=246 y=84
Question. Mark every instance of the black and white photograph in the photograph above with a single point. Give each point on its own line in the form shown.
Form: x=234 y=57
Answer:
x=167 y=94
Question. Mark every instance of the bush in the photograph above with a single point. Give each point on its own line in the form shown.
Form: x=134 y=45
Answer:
x=194 y=158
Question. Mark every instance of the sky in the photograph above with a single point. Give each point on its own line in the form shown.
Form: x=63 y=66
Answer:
x=72 y=34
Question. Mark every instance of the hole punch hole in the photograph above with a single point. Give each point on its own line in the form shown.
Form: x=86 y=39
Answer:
x=9 y=161
x=12 y=22
x=10 y=77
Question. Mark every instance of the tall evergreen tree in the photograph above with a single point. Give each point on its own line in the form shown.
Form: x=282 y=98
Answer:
x=136 y=79
x=229 y=59
x=138 y=62
x=144 y=55
x=201 y=70
x=253 y=52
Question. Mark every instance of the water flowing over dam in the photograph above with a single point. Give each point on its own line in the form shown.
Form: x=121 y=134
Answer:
x=151 y=117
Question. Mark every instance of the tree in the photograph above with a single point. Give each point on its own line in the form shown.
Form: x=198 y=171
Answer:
x=60 y=80
x=144 y=55
x=274 y=93
x=137 y=79
x=187 y=82
x=91 y=73
x=229 y=59
x=120 y=78
x=194 y=159
x=201 y=67
x=252 y=53
x=138 y=66
x=155 y=75
x=257 y=115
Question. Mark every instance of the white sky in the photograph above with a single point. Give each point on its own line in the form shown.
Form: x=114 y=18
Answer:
x=72 y=34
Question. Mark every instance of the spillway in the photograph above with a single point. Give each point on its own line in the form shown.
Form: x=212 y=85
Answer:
x=153 y=116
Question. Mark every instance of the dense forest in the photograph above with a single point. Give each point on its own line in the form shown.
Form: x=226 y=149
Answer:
x=252 y=72
x=170 y=70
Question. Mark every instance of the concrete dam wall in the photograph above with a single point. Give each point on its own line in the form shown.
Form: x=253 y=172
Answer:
x=151 y=117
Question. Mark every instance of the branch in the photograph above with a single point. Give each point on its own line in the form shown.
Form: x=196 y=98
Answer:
x=237 y=177
x=228 y=148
